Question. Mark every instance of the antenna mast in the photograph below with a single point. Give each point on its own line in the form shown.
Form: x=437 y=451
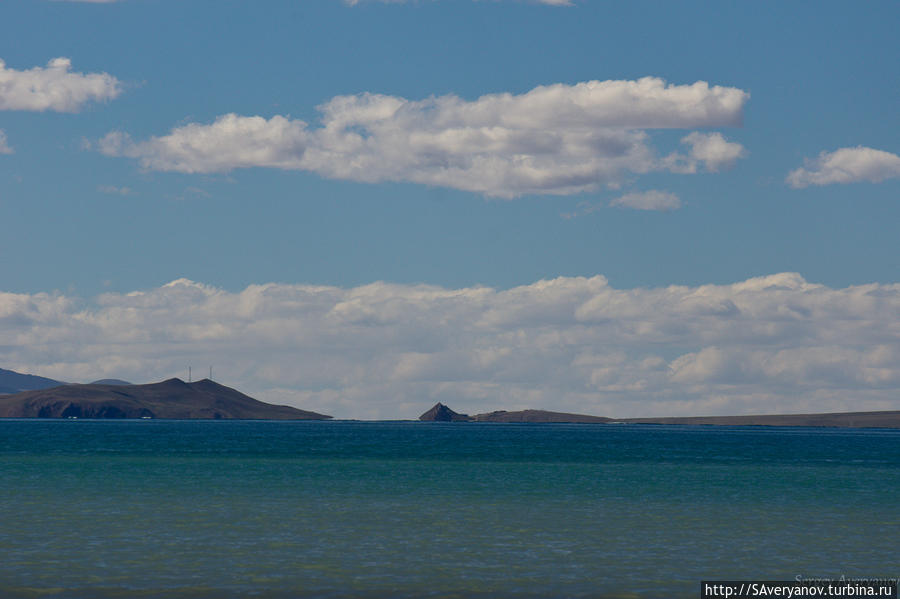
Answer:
x=189 y=374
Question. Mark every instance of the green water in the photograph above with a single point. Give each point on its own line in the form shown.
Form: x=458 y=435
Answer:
x=342 y=509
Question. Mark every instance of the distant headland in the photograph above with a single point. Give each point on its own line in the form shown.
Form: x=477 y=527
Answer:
x=171 y=399
x=888 y=419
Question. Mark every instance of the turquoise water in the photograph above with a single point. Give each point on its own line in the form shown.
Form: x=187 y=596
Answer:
x=196 y=509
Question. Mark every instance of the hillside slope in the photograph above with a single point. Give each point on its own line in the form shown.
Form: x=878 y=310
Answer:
x=172 y=399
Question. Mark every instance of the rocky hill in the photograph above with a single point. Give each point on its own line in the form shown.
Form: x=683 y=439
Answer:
x=172 y=399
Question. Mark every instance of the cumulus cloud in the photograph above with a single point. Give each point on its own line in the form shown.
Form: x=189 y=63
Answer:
x=713 y=150
x=769 y=344
x=648 y=200
x=557 y=139
x=846 y=165
x=54 y=87
x=710 y=150
x=4 y=145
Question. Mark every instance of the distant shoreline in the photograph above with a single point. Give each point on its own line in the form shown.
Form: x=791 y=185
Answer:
x=876 y=419
x=721 y=421
x=174 y=399
x=879 y=419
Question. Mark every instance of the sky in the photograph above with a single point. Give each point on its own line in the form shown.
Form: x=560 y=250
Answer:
x=363 y=208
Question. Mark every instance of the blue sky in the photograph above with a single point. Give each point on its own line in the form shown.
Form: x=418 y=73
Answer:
x=462 y=146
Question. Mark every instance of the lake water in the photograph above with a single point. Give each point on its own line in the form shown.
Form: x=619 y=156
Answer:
x=221 y=509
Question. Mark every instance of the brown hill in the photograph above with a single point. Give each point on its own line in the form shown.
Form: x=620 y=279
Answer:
x=172 y=399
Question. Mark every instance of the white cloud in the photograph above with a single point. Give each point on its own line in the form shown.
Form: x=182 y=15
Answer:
x=648 y=200
x=846 y=165
x=4 y=145
x=54 y=87
x=556 y=139
x=768 y=344
x=711 y=150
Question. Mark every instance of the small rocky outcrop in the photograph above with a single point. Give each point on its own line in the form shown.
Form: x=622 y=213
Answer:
x=441 y=413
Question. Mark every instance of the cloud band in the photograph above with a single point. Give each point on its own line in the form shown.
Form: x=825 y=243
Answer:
x=557 y=139
x=769 y=344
